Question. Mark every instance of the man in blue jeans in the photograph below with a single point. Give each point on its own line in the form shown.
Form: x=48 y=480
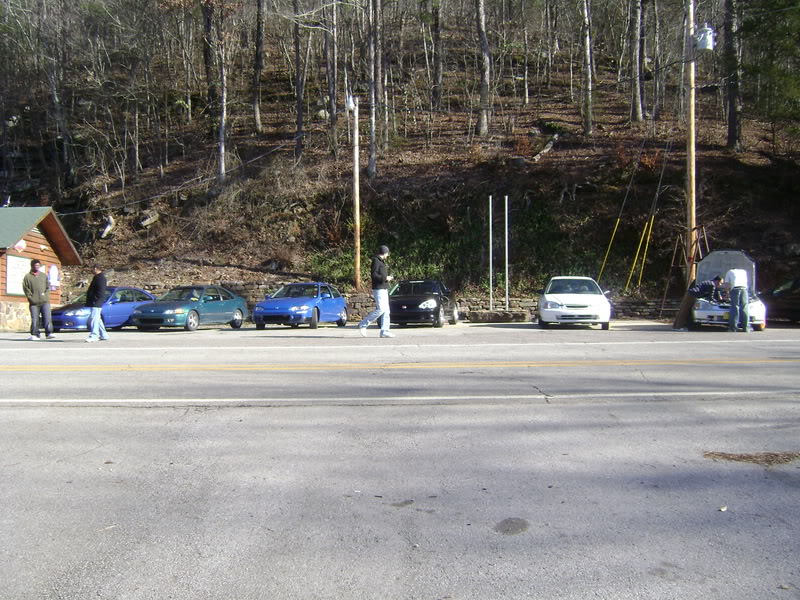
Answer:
x=380 y=291
x=739 y=315
x=95 y=297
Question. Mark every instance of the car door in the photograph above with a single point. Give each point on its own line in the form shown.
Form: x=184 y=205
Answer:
x=447 y=299
x=228 y=306
x=115 y=312
x=327 y=304
x=211 y=306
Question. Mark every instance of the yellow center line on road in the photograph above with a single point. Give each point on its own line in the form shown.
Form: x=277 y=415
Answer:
x=395 y=366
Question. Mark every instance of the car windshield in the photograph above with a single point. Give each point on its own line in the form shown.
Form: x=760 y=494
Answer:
x=572 y=286
x=182 y=293
x=414 y=288
x=787 y=286
x=296 y=291
x=82 y=298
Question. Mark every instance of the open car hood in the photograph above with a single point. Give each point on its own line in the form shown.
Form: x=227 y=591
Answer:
x=720 y=262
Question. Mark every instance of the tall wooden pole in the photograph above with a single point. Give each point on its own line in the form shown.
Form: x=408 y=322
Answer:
x=356 y=198
x=691 y=219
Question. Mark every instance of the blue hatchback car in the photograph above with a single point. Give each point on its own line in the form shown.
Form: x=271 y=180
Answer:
x=116 y=311
x=297 y=303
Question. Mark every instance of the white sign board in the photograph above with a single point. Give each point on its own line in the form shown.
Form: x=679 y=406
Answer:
x=16 y=268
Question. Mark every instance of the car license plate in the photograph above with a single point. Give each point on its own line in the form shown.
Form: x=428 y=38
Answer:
x=725 y=316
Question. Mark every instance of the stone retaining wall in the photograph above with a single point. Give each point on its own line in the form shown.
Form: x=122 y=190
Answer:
x=14 y=316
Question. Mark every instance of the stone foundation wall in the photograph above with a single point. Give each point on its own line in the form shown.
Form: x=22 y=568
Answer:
x=14 y=316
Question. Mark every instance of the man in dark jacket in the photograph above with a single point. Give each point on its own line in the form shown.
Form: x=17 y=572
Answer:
x=708 y=289
x=380 y=291
x=37 y=291
x=95 y=297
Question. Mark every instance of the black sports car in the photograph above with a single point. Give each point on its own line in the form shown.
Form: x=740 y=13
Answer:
x=784 y=301
x=422 y=301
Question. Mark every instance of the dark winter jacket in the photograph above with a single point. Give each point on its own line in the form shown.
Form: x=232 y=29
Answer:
x=380 y=273
x=96 y=294
x=705 y=289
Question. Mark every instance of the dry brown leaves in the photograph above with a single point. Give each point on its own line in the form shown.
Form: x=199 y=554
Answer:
x=767 y=459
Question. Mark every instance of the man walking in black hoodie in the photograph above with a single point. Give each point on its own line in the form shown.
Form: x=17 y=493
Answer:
x=380 y=291
x=95 y=297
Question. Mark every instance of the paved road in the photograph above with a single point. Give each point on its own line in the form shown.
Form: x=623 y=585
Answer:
x=471 y=462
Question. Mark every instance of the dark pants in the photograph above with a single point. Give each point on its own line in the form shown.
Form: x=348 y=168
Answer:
x=47 y=322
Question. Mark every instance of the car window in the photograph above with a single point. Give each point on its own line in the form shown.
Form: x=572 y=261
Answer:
x=572 y=286
x=212 y=295
x=123 y=296
x=335 y=293
x=296 y=291
x=182 y=293
x=140 y=296
x=410 y=288
x=324 y=289
x=226 y=295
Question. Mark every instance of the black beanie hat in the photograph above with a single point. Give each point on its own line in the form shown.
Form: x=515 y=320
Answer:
x=383 y=250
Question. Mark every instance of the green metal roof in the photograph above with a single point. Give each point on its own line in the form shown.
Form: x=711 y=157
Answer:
x=16 y=222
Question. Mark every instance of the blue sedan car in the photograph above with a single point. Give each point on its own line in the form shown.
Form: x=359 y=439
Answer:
x=297 y=303
x=190 y=306
x=118 y=305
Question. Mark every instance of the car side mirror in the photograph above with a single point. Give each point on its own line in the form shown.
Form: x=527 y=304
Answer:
x=607 y=293
x=325 y=295
x=268 y=296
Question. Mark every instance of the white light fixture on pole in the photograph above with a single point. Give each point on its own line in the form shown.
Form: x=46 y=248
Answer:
x=694 y=43
x=351 y=104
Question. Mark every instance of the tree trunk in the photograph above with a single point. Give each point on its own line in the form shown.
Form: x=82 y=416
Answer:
x=331 y=65
x=486 y=67
x=733 y=70
x=258 y=66
x=372 y=163
x=208 y=51
x=299 y=82
x=223 y=101
x=635 y=60
x=438 y=55
x=587 y=71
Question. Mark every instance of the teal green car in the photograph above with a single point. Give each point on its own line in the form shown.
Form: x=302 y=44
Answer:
x=190 y=306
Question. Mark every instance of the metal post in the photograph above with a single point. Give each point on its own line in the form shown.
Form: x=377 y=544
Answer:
x=691 y=219
x=491 y=259
x=506 y=223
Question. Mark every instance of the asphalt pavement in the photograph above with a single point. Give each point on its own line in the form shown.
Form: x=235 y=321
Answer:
x=475 y=461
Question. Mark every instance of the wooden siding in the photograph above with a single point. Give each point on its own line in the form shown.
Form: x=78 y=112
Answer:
x=35 y=242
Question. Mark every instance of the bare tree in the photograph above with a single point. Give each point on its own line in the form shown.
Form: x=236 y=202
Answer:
x=587 y=71
x=486 y=67
x=258 y=65
x=637 y=113
x=733 y=68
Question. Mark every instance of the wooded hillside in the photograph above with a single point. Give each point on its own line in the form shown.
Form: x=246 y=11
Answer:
x=223 y=124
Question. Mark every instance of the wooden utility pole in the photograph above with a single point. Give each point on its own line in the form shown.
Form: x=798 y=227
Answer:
x=691 y=219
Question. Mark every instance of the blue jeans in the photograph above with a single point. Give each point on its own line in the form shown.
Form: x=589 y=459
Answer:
x=47 y=322
x=381 y=310
x=739 y=315
x=97 y=329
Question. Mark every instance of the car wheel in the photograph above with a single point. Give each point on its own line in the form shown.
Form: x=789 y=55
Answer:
x=605 y=326
x=543 y=324
x=342 y=318
x=237 y=320
x=439 y=320
x=314 y=322
x=293 y=325
x=192 y=321
x=261 y=325
x=454 y=317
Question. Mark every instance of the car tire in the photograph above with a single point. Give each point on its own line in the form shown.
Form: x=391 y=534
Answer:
x=238 y=319
x=543 y=324
x=192 y=321
x=605 y=326
x=314 y=322
x=454 y=317
x=439 y=320
x=293 y=325
x=261 y=325
x=342 y=318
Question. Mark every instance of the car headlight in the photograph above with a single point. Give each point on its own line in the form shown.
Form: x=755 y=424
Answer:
x=551 y=304
x=428 y=304
x=302 y=308
x=703 y=305
x=137 y=311
x=78 y=312
x=174 y=311
x=259 y=309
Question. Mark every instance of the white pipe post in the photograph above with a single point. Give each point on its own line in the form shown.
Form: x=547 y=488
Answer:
x=491 y=258
x=507 y=253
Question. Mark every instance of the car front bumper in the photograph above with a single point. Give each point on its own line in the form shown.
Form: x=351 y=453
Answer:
x=159 y=320
x=412 y=316
x=569 y=316
x=271 y=318
x=719 y=315
x=70 y=323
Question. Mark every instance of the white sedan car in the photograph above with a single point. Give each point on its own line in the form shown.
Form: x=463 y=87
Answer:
x=574 y=300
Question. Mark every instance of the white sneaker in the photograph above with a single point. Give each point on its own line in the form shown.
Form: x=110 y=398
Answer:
x=34 y=338
x=51 y=337
x=387 y=334
x=89 y=340
x=362 y=329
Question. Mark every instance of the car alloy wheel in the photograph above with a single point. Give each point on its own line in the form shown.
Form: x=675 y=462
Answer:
x=342 y=318
x=439 y=321
x=192 y=321
x=314 y=319
x=238 y=317
x=454 y=318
